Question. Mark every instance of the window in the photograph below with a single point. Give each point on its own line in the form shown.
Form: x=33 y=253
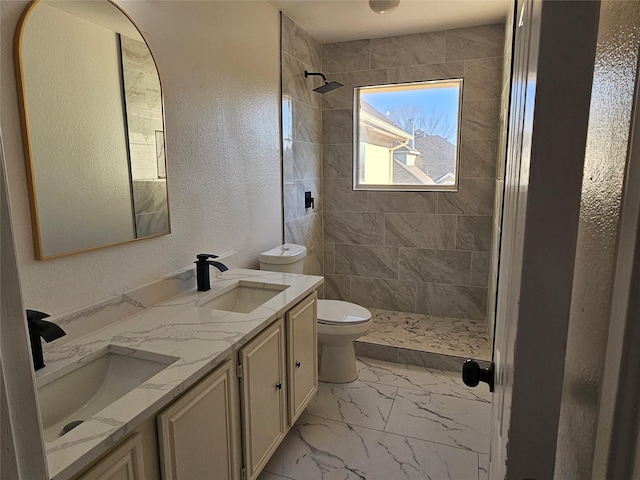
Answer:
x=407 y=136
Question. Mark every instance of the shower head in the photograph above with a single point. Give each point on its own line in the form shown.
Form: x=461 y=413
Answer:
x=327 y=87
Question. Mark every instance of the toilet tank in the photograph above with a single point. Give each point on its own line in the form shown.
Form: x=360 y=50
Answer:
x=288 y=258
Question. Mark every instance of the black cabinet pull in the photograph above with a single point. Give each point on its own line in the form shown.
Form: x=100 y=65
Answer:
x=298 y=364
x=279 y=386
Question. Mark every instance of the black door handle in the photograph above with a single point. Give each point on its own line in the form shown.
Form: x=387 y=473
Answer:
x=473 y=374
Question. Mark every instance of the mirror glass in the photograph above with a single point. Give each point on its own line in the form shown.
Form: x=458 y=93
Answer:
x=93 y=128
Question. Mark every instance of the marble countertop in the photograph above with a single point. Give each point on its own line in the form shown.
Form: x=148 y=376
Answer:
x=183 y=327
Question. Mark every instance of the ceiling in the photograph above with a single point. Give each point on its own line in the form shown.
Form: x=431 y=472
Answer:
x=340 y=20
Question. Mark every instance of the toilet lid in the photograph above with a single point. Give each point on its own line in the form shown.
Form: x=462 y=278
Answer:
x=336 y=312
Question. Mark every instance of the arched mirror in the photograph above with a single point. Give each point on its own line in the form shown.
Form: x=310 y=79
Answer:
x=93 y=127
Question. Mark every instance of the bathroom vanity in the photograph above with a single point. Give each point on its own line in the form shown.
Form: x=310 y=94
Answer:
x=238 y=365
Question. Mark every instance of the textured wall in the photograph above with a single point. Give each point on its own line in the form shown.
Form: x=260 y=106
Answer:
x=424 y=252
x=302 y=142
x=218 y=63
x=607 y=143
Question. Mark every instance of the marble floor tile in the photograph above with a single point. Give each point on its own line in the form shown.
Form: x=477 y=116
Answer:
x=412 y=377
x=483 y=466
x=442 y=419
x=356 y=403
x=321 y=449
x=448 y=336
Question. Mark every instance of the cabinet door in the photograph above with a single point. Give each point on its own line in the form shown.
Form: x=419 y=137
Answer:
x=124 y=463
x=302 y=355
x=199 y=432
x=263 y=397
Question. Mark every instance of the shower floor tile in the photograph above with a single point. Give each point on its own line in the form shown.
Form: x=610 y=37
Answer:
x=452 y=337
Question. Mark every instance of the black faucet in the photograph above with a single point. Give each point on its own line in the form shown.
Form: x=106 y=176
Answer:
x=202 y=270
x=38 y=327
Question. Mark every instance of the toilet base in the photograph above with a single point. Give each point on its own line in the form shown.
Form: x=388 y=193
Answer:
x=338 y=364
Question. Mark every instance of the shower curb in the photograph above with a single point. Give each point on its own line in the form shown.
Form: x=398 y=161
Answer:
x=408 y=356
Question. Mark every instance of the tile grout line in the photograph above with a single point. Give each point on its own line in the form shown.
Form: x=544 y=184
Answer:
x=384 y=429
x=401 y=436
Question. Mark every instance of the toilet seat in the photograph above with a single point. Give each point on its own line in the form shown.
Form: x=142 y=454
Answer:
x=337 y=312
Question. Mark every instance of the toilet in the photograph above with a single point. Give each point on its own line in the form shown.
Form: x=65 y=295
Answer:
x=339 y=323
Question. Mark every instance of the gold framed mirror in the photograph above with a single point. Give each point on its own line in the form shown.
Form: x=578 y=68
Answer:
x=93 y=127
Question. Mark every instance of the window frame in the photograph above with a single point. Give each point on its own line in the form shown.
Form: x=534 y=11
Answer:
x=404 y=187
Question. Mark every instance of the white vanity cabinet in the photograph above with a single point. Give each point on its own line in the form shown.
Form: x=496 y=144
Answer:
x=263 y=397
x=302 y=355
x=135 y=458
x=126 y=462
x=279 y=371
x=230 y=423
x=198 y=434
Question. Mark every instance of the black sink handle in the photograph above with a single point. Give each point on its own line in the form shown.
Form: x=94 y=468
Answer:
x=205 y=256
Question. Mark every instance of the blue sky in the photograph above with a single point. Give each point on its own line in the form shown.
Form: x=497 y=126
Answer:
x=444 y=100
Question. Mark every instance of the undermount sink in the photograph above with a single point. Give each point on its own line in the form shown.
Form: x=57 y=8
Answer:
x=243 y=297
x=93 y=383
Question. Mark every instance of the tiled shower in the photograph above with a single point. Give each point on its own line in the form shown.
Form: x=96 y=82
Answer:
x=420 y=261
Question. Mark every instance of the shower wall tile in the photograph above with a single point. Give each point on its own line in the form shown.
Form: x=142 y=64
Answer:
x=345 y=56
x=294 y=198
x=337 y=126
x=343 y=97
x=480 y=119
x=338 y=195
x=403 y=202
x=295 y=85
x=329 y=258
x=287 y=34
x=302 y=144
x=475 y=42
x=313 y=264
x=420 y=231
x=480 y=269
x=304 y=159
x=381 y=293
x=452 y=301
x=287 y=160
x=474 y=197
x=367 y=261
x=307 y=123
x=480 y=78
x=478 y=159
x=293 y=209
x=421 y=73
x=474 y=233
x=418 y=49
x=306 y=231
x=425 y=244
x=354 y=228
x=313 y=185
x=437 y=266
x=337 y=160
x=337 y=287
x=307 y=49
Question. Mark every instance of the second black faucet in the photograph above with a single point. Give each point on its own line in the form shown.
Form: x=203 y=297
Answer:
x=202 y=270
